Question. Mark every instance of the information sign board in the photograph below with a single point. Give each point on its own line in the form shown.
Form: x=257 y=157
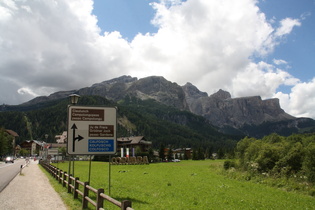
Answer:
x=91 y=130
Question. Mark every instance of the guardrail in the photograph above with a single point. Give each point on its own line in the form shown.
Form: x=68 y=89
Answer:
x=73 y=185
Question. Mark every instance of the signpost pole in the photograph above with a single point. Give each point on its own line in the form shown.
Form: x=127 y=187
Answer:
x=90 y=168
x=73 y=159
x=109 y=174
x=69 y=168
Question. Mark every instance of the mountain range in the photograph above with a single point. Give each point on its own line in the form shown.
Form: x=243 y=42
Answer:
x=250 y=116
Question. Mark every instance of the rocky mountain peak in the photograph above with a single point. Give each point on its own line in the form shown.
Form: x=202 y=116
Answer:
x=192 y=91
x=122 y=79
x=221 y=95
x=159 y=89
x=219 y=108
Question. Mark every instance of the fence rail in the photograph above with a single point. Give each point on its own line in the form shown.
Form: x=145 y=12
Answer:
x=73 y=186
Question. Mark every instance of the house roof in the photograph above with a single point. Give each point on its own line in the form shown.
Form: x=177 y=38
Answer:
x=133 y=140
x=12 y=133
x=40 y=143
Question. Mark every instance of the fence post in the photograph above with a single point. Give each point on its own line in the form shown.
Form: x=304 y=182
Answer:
x=54 y=171
x=125 y=204
x=64 y=179
x=99 y=199
x=76 y=186
x=57 y=173
x=85 y=193
x=69 y=183
x=60 y=176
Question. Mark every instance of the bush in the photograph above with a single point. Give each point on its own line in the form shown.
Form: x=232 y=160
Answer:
x=229 y=164
x=309 y=162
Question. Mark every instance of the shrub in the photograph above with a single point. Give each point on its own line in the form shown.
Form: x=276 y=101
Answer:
x=228 y=164
x=309 y=162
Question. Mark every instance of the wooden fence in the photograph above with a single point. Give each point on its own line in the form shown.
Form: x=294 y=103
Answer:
x=74 y=185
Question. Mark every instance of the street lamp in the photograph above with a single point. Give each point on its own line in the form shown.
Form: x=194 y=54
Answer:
x=74 y=98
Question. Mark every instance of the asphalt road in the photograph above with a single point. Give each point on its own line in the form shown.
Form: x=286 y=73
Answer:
x=8 y=171
x=30 y=191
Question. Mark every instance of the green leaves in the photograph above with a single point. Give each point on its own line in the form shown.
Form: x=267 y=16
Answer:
x=279 y=156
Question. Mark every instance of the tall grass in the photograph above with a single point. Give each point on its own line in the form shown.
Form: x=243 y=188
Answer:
x=185 y=185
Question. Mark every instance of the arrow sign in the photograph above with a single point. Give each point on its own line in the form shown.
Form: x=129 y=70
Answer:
x=79 y=138
x=97 y=128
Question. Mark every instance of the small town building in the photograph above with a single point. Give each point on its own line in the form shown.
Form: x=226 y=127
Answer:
x=14 y=137
x=61 y=139
x=129 y=145
x=180 y=153
x=33 y=147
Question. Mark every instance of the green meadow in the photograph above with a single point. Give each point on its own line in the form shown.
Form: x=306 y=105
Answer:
x=184 y=185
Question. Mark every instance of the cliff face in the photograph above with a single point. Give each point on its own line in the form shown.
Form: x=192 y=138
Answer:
x=222 y=110
x=159 y=89
x=219 y=108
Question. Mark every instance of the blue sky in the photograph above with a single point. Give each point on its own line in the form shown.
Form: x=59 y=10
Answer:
x=246 y=47
x=131 y=17
x=299 y=47
x=128 y=17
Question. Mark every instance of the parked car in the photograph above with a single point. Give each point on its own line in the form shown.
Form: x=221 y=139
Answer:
x=9 y=159
x=176 y=160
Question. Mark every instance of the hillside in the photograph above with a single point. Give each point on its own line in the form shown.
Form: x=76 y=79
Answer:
x=242 y=116
x=159 y=123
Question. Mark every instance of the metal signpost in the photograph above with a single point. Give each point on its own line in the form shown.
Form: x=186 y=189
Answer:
x=91 y=130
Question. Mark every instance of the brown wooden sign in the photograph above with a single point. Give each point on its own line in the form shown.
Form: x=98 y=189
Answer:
x=101 y=130
x=87 y=114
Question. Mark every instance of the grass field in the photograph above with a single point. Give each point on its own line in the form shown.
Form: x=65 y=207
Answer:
x=185 y=185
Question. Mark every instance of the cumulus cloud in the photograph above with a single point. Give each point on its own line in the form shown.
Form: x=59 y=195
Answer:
x=48 y=46
x=286 y=26
x=261 y=79
x=301 y=100
x=279 y=62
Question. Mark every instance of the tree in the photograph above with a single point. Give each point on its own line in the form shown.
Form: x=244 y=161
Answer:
x=291 y=162
x=62 y=151
x=138 y=151
x=170 y=154
x=151 y=154
x=24 y=152
x=242 y=147
x=185 y=154
x=161 y=152
x=201 y=155
x=194 y=154
x=309 y=162
x=6 y=143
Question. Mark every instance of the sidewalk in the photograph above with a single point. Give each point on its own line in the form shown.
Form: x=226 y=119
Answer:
x=30 y=191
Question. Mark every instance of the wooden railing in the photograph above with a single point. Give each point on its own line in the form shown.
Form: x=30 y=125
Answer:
x=73 y=186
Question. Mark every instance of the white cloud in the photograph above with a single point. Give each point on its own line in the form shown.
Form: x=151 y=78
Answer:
x=56 y=45
x=261 y=79
x=26 y=91
x=301 y=101
x=286 y=26
x=279 y=62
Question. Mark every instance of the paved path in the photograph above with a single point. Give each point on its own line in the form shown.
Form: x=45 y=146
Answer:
x=30 y=191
